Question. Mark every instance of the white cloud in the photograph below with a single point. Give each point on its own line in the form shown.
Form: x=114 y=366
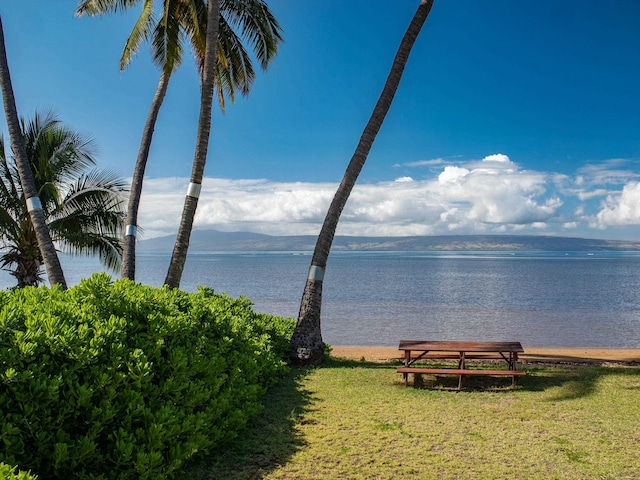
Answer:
x=622 y=208
x=497 y=157
x=422 y=163
x=493 y=195
x=609 y=172
x=586 y=195
x=464 y=200
x=453 y=175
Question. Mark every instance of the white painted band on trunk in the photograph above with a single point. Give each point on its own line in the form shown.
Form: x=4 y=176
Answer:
x=316 y=273
x=194 y=190
x=131 y=230
x=33 y=203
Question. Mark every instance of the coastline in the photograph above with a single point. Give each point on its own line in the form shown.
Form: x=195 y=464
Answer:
x=629 y=356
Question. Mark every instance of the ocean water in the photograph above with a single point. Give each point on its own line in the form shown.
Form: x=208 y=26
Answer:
x=573 y=299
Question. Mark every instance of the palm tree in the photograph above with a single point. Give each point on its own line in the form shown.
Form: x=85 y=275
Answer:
x=181 y=246
x=307 y=346
x=266 y=44
x=31 y=203
x=187 y=19
x=84 y=209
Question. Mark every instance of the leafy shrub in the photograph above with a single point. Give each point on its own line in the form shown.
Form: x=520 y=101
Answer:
x=278 y=331
x=120 y=380
x=9 y=473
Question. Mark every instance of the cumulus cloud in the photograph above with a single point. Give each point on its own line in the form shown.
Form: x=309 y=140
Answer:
x=492 y=195
x=452 y=175
x=485 y=194
x=497 y=157
x=256 y=205
x=621 y=209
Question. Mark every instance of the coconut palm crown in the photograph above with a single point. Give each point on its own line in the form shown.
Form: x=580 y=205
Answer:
x=168 y=25
x=83 y=207
x=175 y=23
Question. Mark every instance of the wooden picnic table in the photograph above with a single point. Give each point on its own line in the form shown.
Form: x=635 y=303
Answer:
x=416 y=350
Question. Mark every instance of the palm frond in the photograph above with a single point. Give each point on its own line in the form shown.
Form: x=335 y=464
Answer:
x=9 y=227
x=10 y=181
x=57 y=156
x=97 y=191
x=99 y=7
x=56 y=152
x=257 y=26
x=107 y=249
x=166 y=42
x=142 y=31
x=237 y=59
x=194 y=23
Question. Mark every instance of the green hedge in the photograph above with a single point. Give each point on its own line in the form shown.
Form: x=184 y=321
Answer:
x=12 y=473
x=119 y=380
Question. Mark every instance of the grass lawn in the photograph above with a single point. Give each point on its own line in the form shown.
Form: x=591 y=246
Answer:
x=357 y=420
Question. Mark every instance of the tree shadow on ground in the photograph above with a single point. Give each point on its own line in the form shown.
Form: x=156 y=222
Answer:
x=267 y=442
x=575 y=381
x=571 y=380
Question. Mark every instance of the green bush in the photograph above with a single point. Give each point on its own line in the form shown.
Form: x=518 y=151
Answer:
x=119 y=380
x=9 y=473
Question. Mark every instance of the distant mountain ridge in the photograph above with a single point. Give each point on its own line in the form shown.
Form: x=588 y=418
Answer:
x=216 y=241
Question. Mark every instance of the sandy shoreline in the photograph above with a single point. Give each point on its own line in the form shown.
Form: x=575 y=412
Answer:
x=532 y=354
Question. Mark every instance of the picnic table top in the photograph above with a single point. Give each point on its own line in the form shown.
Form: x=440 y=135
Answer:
x=448 y=346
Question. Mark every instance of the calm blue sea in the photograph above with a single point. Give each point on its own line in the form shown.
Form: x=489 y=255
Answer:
x=570 y=299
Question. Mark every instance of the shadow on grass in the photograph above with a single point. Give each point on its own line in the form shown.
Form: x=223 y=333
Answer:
x=267 y=442
x=575 y=381
x=571 y=382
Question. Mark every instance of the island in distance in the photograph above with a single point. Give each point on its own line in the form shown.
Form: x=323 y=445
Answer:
x=216 y=241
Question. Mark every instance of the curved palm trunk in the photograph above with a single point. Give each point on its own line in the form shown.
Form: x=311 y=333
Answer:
x=179 y=255
x=129 y=244
x=49 y=254
x=307 y=346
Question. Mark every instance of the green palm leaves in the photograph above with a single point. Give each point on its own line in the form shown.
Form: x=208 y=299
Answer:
x=174 y=24
x=83 y=207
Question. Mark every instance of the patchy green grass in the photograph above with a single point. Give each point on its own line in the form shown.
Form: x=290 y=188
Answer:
x=357 y=420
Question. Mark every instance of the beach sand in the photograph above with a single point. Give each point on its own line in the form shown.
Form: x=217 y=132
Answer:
x=628 y=356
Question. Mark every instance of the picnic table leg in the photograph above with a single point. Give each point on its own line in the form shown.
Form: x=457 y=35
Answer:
x=462 y=366
x=514 y=365
x=407 y=359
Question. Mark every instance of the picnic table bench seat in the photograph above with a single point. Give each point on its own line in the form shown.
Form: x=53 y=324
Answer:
x=461 y=373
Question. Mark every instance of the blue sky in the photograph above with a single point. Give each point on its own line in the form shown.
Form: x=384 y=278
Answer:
x=512 y=117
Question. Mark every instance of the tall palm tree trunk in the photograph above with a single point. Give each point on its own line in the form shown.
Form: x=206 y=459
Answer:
x=129 y=244
x=34 y=207
x=179 y=255
x=307 y=346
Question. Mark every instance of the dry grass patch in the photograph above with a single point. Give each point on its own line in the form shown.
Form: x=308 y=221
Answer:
x=357 y=420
